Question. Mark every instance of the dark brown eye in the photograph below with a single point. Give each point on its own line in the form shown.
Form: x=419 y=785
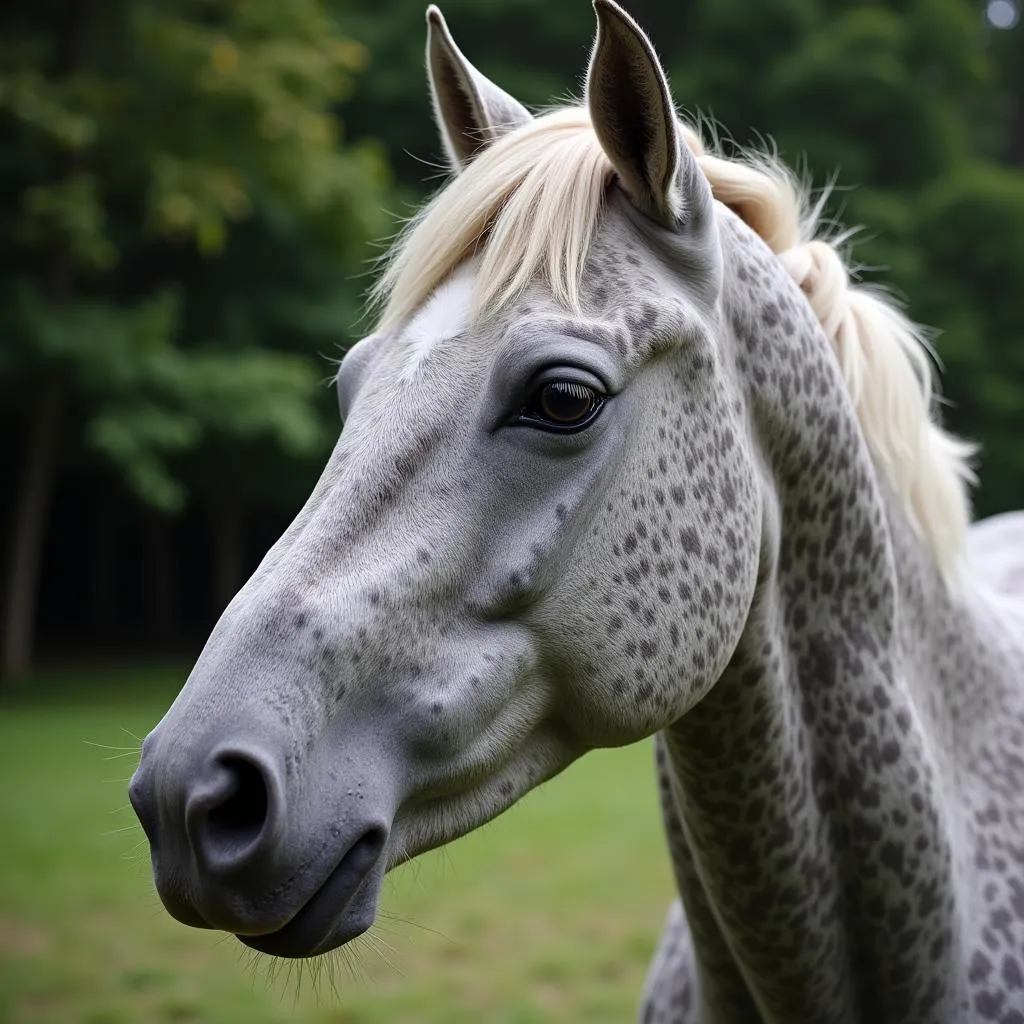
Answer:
x=562 y=405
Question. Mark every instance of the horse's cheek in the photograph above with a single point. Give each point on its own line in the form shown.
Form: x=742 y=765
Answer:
x=665 y=599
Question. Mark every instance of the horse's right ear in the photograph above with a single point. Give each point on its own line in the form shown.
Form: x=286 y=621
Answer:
x=471 y=110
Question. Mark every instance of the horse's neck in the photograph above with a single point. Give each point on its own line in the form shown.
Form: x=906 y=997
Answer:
x=815 y=852
x=809 y=840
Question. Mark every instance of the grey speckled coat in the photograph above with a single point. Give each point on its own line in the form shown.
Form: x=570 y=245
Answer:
x=472 y=598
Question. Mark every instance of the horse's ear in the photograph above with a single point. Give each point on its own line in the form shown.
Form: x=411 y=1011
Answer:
x=635 y=119
x=471 y=110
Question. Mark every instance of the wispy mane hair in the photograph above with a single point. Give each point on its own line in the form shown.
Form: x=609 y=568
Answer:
x=529 y=205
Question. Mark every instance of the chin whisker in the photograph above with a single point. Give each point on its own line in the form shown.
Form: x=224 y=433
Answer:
x=316 y=977
x=381 y=948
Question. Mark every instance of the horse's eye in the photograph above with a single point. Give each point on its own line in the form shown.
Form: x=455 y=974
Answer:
x=562 y=406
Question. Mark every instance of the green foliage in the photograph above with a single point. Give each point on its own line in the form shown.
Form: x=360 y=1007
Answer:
x=195 y=112
x=907 y=104
x=141 y=136
x=971 y=233
x=188 y=189
x=143 y=398
x=145 y=135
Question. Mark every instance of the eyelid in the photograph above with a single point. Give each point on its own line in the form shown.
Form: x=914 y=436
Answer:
x=575 y=374
x=526 y=360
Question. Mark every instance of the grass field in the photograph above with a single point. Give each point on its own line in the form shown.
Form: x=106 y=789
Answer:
x=548 y=914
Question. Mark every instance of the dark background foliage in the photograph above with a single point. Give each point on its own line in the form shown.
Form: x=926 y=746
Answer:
x=189 y=195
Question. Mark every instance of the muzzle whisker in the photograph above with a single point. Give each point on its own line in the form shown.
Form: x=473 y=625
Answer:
x=119 y=831
x=121 y=751
x=380 y=948
x=414 y=924
x=331 y=969
x=349 y=956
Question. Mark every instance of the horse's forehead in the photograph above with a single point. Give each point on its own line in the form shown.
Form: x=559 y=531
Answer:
x=445 y=315
x=630 y=304
x=633 y=298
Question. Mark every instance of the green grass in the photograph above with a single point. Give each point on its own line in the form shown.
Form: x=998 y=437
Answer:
x=548 y=914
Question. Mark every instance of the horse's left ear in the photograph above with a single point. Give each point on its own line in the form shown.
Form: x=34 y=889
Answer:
x=471 y=110
x=635 y=120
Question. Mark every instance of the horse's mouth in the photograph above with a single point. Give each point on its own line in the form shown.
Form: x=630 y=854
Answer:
x=342 y=908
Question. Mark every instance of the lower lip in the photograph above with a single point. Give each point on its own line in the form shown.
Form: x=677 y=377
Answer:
x=324 y=922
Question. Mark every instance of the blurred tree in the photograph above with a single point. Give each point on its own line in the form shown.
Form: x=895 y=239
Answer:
x=910 y=105
x=1006 y=18
x=139 y=137
x=534 y=48
x=971 y=233
x=181 y=222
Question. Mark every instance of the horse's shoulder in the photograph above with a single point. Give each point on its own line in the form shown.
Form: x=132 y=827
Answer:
x=995 y=553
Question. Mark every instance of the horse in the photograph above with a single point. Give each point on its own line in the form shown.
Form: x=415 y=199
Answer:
x=629 y=453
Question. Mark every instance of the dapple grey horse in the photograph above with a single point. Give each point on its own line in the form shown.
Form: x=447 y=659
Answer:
x=629 y=454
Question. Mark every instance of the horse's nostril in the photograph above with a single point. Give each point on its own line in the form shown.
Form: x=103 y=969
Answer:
x=233 y=816
x=241 y=816
x=367 y=848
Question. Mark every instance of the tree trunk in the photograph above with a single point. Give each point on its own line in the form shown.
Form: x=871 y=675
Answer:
x=28 y=532
x=159 y=579
x=103 y=567
x=228 y=550
x=1017 y=124
x=42 y=448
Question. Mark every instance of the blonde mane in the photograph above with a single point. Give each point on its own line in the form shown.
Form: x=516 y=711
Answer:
x=530 y=204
